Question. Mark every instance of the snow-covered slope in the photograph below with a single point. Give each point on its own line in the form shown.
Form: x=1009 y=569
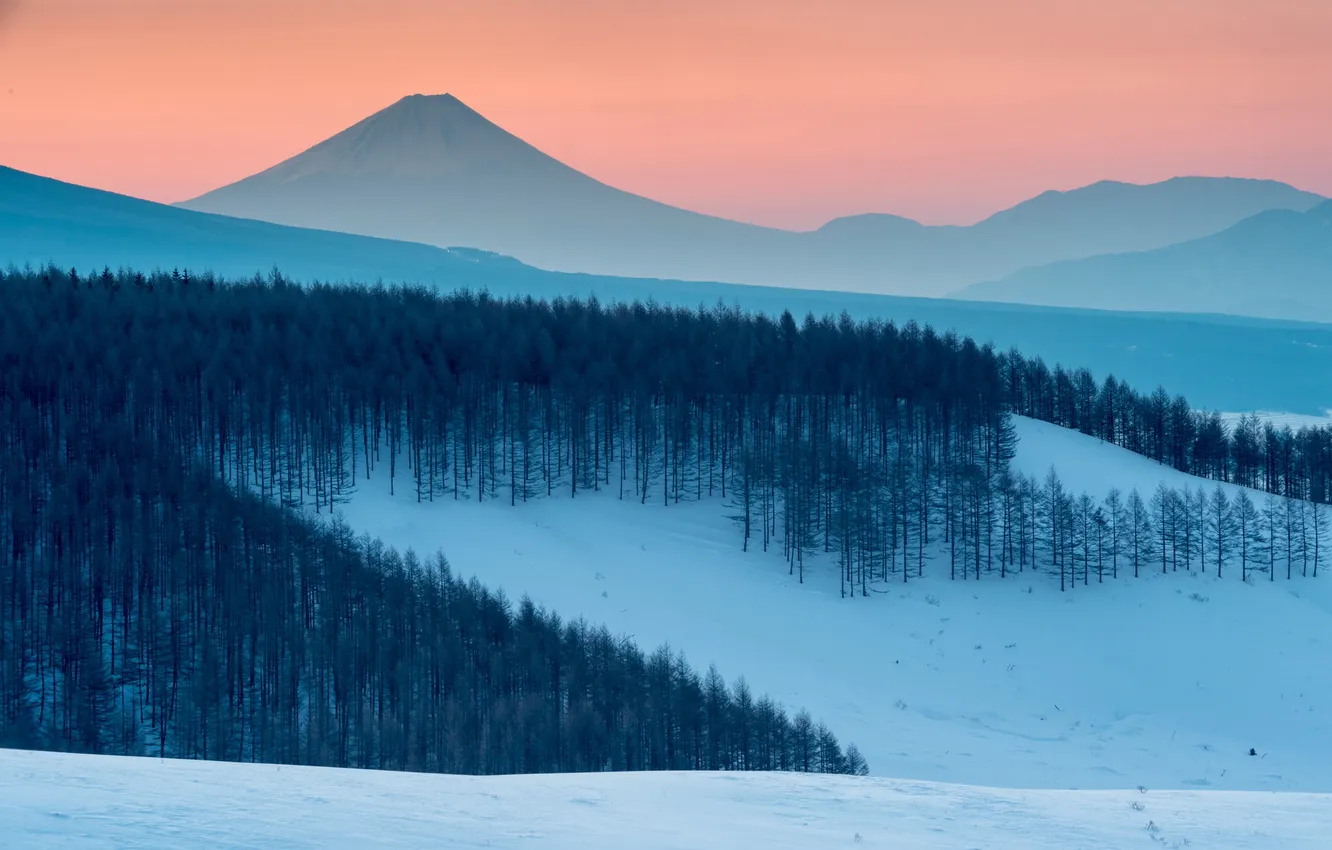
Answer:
x=1090 y=465
x=61 y=800
x=1166 y=681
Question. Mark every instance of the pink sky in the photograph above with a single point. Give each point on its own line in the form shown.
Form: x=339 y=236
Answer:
x=783 y=112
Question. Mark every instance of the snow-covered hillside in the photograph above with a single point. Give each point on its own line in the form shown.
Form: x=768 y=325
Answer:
x=1166 y=681
x=1089 y=465
x=61 y=800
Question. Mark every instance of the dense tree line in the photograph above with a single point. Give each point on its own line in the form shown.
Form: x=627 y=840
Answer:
x=183 y=620
x=824 y=436
x=1253 y=453
x=857 y=440
x=149 y=607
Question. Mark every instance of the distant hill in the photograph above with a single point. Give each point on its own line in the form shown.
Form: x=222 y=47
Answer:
x=44 y=220
x=1232 y=364
x=1276 y=264
x=431 y=169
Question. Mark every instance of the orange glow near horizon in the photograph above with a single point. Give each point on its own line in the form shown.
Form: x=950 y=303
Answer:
x=781 y=112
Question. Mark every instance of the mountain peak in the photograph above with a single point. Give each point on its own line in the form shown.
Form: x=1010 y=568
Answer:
x=417 y=136
x=430 y=102
x=870 y=224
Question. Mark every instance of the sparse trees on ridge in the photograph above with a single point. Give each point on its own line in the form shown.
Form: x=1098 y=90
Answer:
x=1296 y=464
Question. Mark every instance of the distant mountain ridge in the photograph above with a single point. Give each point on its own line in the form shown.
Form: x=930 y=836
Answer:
x=1223 y=363
x=1276 y=264
x=44 y=220
x=431 y=169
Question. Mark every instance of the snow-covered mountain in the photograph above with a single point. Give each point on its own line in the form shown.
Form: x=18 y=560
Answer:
x=93 y=802
x=1163 y=681
x=431 y=169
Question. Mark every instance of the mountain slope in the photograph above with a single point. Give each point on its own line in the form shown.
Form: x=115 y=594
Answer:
x=430 y=169
x=1230 y=364
x=149 y=803
x=44 y=220
x=1276 y=264
x=1163 y=681
x=1102 y=218
x=1136 y=218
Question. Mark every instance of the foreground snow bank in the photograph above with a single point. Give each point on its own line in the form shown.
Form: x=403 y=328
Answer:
x=61 y=800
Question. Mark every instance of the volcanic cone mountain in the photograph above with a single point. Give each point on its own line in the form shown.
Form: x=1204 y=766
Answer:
x=431 y=169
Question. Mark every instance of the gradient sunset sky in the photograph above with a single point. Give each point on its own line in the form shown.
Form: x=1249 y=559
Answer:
x=781 y=112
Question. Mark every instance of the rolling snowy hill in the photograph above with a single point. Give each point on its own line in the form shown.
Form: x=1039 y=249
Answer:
x=62 y=800
x=1164 y=681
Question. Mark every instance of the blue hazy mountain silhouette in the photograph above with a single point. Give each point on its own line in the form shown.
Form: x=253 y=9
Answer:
x=1222 y=362
x=44 y=220
x=431 y=169
x=1275 y=264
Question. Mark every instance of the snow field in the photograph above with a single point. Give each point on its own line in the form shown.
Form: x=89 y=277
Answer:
x=1090 y=465
x=1163 y=682
x=54 y=800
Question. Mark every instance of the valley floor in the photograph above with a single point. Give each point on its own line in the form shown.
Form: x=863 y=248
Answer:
x=52 y=800
x=1166 y=681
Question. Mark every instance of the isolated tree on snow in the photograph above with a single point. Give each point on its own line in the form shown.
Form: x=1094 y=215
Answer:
x=1274 y=517
x=1140 y=531
x=855 y=762
x=1162 y=510
x=1319 y=523
x=1248 y=530
x=1220 y=525
x=1115 y=516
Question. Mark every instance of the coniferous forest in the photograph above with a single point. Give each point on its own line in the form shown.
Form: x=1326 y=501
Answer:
x=173 y=448
x=158 y=599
